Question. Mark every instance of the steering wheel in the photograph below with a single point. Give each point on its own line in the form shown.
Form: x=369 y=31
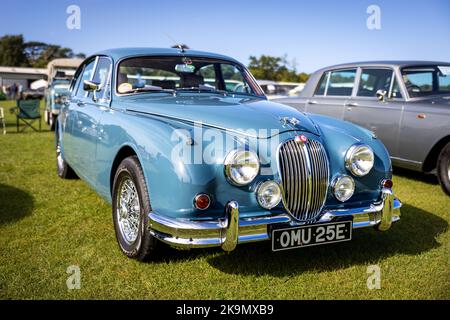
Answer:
x=413 y=88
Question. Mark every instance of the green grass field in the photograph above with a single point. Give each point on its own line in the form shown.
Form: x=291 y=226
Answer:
x=48 y=224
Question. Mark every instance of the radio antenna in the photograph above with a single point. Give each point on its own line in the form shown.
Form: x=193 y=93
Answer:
x=176 y=44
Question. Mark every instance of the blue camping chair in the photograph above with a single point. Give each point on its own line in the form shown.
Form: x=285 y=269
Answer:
x=28 y=111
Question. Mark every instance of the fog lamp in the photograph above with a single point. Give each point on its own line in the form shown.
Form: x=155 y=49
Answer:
x=268 y=194
x=344 y=187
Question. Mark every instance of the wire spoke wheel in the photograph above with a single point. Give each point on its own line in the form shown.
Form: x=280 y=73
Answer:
x=128 y=210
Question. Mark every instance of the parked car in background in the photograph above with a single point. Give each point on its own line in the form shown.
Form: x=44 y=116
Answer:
x=31 y=94
x=60 y=73
x=274 y=90
x=405 y=103
x=256 y=170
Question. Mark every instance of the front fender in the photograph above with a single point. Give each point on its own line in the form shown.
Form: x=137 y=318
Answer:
x=338 y=136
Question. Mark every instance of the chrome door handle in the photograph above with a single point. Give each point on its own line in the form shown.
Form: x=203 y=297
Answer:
x=351 y=104
x=312 y=102
x=80 y=104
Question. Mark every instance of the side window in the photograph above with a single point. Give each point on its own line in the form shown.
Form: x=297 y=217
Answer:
x=234 y=80
x=86 y=75
x=396 y=93
x=102 y=76
x=444 y=83
x=418 y=82
x=320 y=90
x=341 y=83
x=373 y=80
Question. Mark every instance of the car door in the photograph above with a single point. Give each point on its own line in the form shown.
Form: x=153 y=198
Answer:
x=71 y=136
x=333 y=90
x=380 y=116
x=91 y=115
x=88 y=110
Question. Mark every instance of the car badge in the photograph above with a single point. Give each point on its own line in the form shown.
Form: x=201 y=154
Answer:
x=301 y=138
x=286 y=120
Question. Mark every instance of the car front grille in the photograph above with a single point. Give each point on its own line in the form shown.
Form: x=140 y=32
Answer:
x=305 y=174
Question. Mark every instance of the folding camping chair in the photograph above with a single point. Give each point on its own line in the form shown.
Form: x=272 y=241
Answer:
x=2 y=119
x=28 y=111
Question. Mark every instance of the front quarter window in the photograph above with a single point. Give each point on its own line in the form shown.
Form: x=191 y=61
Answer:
x=320 y=90
x=396 y=92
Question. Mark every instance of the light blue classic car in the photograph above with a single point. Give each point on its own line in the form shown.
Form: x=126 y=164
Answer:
x=195 y=163
x=54 y=96
x=60 y=73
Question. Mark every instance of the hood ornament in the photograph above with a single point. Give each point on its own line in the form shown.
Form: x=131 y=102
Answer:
x=292 y=121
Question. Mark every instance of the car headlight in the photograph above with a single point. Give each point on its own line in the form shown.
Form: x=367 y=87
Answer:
x=241 y=167
x=268 y=194
x=344 y=187
x=359 y=159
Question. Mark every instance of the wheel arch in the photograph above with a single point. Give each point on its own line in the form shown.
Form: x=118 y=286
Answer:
x=123 y=153
x=431 y=160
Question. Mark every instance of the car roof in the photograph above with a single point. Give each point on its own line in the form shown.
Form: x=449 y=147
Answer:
x=120 y=53
x=385 y=63
x=315 y=76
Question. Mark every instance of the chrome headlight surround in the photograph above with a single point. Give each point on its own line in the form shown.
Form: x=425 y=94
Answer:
x=343 y=187
x=268 y=194
x=359 y=159
x=241 y=167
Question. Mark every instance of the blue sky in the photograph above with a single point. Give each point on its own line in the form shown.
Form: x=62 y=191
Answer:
x=315 y=33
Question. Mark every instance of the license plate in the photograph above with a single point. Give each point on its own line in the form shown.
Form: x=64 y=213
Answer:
x=312 y=235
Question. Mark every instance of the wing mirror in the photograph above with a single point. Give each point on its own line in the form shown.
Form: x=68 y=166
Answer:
x=91 y=86
x=381 y=95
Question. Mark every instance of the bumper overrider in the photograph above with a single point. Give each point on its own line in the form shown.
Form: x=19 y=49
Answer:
x=232 y=230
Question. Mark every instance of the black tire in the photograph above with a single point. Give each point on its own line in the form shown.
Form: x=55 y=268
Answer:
x=144 y=246
x=443 y=169
x=52 y=121
x=62 y=167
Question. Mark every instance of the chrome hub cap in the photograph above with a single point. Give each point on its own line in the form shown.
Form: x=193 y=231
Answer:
x=128 y=210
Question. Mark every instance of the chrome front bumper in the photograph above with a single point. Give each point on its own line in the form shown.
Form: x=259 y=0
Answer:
x=232 y=230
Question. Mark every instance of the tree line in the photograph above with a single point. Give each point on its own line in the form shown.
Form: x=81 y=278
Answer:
x=15 y=52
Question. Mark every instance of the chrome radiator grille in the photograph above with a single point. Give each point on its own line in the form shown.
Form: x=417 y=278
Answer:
x=304 y=171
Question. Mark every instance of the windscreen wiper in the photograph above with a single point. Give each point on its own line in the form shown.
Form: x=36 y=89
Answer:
x=156 y=90
x=204 y=89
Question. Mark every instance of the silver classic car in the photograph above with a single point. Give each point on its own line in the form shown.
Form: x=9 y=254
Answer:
x=405 y=103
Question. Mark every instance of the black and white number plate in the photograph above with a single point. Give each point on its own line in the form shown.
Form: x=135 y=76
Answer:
x=312 y=235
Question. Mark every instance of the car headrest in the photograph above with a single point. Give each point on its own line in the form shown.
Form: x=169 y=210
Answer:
x=192 y=80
